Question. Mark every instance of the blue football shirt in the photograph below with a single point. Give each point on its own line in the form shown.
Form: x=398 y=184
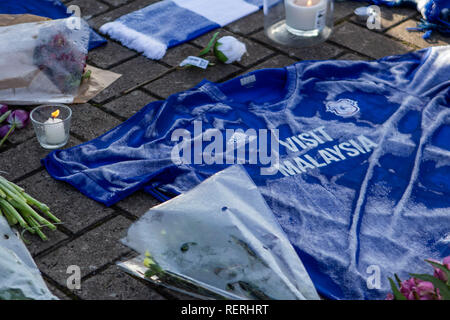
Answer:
x=363 y=186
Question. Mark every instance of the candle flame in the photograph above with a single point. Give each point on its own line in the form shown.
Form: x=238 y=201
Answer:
x=55 y=114
x=309 y=3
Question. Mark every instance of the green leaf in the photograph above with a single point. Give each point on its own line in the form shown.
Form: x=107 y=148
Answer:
x=440 y=266
x=86 y=75
x=209 y=46
x=5 y=116
x=397 y=294
x=443 y=289
x=399 y=282
x=220 y=55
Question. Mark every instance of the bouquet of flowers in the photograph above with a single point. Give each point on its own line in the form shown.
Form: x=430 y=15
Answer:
x=424 y=286
x=42 y=62
x=62 y=61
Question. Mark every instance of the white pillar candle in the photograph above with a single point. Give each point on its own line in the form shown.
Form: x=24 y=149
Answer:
x=55 y=132
x=305 y=15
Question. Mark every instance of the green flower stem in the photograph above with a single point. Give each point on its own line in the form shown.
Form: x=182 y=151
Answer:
x=9 y=209
x=8 y=134
x=26 y=209
x=35 y=226
x=30 y=200
x=9 y=191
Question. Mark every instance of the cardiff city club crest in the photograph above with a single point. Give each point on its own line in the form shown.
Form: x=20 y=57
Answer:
x=343 y=107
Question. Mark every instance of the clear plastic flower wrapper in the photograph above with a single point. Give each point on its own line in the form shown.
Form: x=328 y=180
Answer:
x=43 y=62
x=219 y=240
x=19 y=276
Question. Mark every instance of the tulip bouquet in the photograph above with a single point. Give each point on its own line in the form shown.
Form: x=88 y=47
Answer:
x=424 y=286
x=18 y=208
x=17 y=119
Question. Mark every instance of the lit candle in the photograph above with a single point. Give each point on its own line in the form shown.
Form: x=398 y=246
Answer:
x=305 y=15
x=55 y=132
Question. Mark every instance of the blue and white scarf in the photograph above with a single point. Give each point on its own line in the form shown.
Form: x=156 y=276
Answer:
x=157 y=27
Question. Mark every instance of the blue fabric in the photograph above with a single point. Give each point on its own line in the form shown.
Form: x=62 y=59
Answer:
x=53 y=9
x=165 y=24
x=168 y=23
x=372 y=187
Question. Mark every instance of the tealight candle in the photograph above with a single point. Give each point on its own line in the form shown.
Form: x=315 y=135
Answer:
x=305 y=15
x=55 y=132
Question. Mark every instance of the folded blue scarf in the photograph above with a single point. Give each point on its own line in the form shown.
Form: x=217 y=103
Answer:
x=164 y=24
x=53 y=9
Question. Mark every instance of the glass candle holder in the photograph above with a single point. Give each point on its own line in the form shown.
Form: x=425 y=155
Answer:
x=298 y=23
x=52 y=125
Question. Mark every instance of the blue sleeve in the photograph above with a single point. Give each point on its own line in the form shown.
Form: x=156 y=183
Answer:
x=101 y=168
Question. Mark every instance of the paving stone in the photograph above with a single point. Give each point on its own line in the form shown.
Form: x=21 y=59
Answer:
x=25 y=158
x=22 y=135
x=278 y=61
x=181 y=80
x=89 y=8
x=343 y=9
x=90 y=251
x=116 y=3
x=352 y=56
x=389 y=16
x=75 y=210
x=415 y=38
x=249 y=24
x=321 y=51
x=255 y=51
x=112 y=15
x=127 y=105
x=90 y=122
x=115 y=284
x=107 y=55
x=176 y=55
x=134 y=72
x=367 y=42
x=56 y=292
x=138 y=203
x=36 y=245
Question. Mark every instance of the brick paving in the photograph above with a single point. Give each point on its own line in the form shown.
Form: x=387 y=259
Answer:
x=90 y=234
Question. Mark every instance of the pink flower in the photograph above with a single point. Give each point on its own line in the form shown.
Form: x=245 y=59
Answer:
x=440 y=274
x=389 y=296
x=446 y=262
x=415 y=289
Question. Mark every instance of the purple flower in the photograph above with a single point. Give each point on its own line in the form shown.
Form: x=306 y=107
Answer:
x=4 y=130
x=3 y=109
x=19 y=119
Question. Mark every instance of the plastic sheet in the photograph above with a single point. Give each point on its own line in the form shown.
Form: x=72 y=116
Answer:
x=221 y=236
x=19 y=276
x=42 y=62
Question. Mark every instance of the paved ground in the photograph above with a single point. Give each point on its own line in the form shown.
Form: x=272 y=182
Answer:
x=91 y=232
